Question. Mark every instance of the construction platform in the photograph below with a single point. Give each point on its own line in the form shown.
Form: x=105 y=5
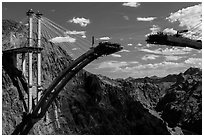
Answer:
x=23 y=50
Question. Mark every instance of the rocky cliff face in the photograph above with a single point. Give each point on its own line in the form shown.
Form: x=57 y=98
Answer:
x=94 y=104
x=182 y=103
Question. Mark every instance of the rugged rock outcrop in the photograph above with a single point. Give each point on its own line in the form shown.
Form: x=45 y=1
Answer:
x=182 y=104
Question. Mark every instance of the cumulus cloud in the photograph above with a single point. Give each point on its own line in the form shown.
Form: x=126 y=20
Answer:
x=116 y=55
x=83 y=22
x=172 y=58
x=146 y=18
x=131 y=4
x=76 y=33
x=84 y=36
x=169 y=31
x=187 y=16
x=130 y=44
x=63 y=39
x=169 y=51
x=105 y=38
x=194 y=61
x=150 y=57
x=191 y=17
x=139 y=44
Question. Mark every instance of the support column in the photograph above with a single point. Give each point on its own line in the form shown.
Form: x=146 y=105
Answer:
x=23 y=64
x=30 y=40
x=39 y=85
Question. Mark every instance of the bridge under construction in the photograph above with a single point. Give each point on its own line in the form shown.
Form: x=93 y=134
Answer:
x=38 y=99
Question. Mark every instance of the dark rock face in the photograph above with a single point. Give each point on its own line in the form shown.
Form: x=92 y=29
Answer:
x=182 y=104
x=94 y=104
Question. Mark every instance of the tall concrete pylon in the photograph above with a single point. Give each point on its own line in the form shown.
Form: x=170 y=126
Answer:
x=30 y=14
x=39 y=85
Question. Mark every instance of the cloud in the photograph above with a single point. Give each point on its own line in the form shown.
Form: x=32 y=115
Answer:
x=135 y=69
x=124 y=50
x=133 y=62
x=150 y=45
x=155 y=65
x=199 y=51
x=187 y=16
x=139 y=44
x=81 y=21
x=150 y=57
x=141 y=70
x=172 y=58
x=191 y=17
x=114 y=65
x=84 y=36
x=169 y=31
x=154 y=29
x=130 y=44
x=194 y=61
x=126 y=17
x=105 y=38
x=169 y=51
x=158 y=69
x=76 y=33
x=63 y=39
x=116 y=55
x=131 y=4
x=146 y=18
x=125 y=66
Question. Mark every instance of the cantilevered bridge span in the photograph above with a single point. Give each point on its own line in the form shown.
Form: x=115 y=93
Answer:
x=183 y=38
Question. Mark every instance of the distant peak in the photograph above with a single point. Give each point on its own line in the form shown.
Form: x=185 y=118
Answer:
x=192 y=71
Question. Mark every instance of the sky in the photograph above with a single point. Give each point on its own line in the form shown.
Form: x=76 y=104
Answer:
x=126 y=23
